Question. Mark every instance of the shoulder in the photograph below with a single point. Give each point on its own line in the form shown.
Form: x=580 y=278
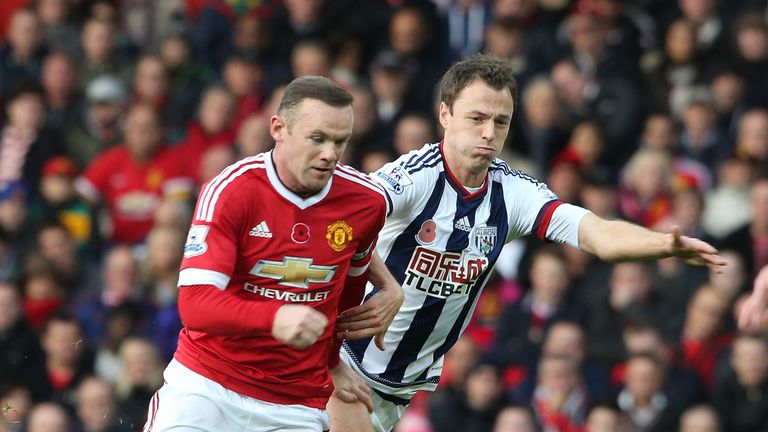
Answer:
x=500 y=171
x=232 y=178
x=237 y=174
x=415 y=161
x=416 y=167
x=358 y=182
x=118 y=152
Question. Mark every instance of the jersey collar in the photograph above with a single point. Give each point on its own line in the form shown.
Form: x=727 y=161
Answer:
x=457 y=186
x=288 y=194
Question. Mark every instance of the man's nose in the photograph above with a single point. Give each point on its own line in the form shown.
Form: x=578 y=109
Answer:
x=328 y=153
x=489 y=130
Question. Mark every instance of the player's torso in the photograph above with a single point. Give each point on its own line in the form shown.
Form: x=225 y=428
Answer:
x=442 y=247
x=442 y=250
x=294 y=255
x=134 y=190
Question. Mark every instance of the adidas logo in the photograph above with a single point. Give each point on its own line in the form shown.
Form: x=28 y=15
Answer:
x=261 y=230
x=463 y=224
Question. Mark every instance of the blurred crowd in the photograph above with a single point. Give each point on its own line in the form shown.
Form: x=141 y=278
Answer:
x=656 y=111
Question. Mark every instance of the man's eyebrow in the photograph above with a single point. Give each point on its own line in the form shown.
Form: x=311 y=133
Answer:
x=327 y=135
x=503 y=117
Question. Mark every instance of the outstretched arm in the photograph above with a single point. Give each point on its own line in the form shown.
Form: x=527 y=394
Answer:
x=754 y=311
x=616 y=241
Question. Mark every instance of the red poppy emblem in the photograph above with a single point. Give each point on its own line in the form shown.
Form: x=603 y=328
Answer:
x=300 y=233
x=428 y=232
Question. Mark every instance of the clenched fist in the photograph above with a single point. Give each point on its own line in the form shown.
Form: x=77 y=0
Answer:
x=298 y=326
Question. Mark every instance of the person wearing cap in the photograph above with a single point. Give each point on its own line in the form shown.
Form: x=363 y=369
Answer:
x=100 y=123
x=390 y=79
x=60 y=204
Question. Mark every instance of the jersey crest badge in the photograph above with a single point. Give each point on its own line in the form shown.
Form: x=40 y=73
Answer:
x=154 y=179
x=485 y=239
x=339 y=235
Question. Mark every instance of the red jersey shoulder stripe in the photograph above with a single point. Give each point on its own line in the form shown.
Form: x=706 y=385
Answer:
x=349 y=170
x=355 y=179
x=214 y=187
x=353 y=175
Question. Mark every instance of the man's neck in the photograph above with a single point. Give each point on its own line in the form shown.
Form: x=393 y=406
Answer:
x=280 y=177
x=467 y=178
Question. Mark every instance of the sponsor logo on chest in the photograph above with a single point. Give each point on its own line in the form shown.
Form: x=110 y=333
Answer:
x=442 y=274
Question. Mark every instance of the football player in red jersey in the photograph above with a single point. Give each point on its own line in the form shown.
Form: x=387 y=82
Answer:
x=280 y=243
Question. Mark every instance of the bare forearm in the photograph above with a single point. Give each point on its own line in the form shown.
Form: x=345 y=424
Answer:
x=616 y=241
x=379 y=274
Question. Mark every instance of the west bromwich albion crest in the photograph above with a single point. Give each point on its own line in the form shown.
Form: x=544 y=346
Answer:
x=485 y=239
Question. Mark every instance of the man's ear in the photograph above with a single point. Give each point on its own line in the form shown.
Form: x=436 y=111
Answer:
x=277 y=127
x=444 y=114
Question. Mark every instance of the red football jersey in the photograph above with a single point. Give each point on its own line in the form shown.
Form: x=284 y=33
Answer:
x=132 y=190
x=253 y=238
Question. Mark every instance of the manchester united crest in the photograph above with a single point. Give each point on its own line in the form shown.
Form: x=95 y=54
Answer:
x=339 y=235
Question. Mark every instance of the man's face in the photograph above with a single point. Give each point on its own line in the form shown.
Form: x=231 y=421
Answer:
x=142 y=132
x=602 y=420
x=61 y=342
x=476 y=128
x=643 y=378
x=406 y=33
x=215 y=111
x=753 y=134
x=97 y=40
x=24 y=32
x=58 y=75
x=151 y=82
x=748 y=361
x=311 y=145
x=26 y=112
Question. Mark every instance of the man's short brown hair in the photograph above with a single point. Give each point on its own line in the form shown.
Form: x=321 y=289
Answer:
x=311 y=87
x=493 y=71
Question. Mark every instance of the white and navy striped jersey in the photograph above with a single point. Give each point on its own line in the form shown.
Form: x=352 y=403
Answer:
x=441 y=241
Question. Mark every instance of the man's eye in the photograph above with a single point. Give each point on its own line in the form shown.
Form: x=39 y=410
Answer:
x=317 y=139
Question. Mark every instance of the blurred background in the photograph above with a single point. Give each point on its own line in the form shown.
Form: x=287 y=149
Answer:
x=116 y=111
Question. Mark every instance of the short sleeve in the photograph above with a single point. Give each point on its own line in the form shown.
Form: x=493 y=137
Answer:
x=398 y=186
x=535 y=209
x=94 y=181
x=210 y=251
x=367 y=245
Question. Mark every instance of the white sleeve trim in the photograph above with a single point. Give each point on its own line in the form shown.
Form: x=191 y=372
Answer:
x=564 y=225
x=87 y=189
x=178 y=185
x=357 y=271
x=195 y=276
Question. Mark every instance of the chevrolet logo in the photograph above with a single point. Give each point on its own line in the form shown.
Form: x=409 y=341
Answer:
x=294 y=272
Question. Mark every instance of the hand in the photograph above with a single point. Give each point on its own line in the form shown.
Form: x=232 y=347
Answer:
x=298 y=326
x=349 y=387
x=754 y=311
x=695 y=251
x=373 y=317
